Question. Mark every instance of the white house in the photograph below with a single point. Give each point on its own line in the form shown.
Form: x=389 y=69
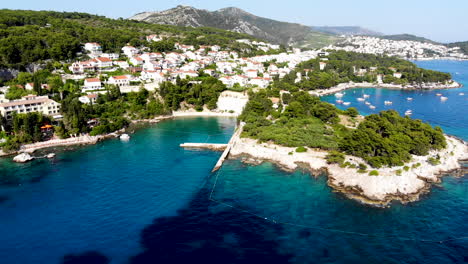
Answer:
x=184 y=74
x=112 y=56
x=94 y=48
x=92 y=84
x=136 y=61
x=322 y=65
x=130 y=51
x=123 y=80
x=397 y=75
x=260 y=82
x=102 y=62
x=80 y=67
x=251 y=73
x=155 y=76
x=88 y=99
x=122 y=64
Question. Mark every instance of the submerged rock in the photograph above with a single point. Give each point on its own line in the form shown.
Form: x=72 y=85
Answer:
x=22 y=158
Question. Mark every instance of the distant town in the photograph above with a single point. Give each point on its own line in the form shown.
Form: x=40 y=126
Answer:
x=406 y=49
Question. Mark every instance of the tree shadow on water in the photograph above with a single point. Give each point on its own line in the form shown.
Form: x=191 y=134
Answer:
x=206 y=232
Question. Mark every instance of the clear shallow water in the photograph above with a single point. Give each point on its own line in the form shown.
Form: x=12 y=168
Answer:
x=147 y=201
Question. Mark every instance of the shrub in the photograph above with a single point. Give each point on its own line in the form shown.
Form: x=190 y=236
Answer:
x=406 y=168
x=362 y=166
x=417 y=165
x=352 y=112
x=361 y=171
x=374 y=173
x=398 y=172
x=335 y=157
x=433 y=161
x=301 y=149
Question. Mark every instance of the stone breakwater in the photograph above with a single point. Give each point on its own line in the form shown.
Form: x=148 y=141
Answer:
x=375 y=190
x=81 y=140
x=344 y=86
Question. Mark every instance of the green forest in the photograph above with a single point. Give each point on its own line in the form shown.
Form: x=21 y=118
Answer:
x=384 y=139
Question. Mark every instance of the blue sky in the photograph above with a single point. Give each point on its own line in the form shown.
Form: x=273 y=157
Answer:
x=443 y=21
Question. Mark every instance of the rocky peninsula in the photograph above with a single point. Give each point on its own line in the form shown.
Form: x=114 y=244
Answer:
x=380 y=190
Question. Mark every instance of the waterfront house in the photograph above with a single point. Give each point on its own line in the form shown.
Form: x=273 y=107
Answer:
x=29 y=104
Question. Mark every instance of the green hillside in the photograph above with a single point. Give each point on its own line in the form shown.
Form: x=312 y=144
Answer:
x=36 y=36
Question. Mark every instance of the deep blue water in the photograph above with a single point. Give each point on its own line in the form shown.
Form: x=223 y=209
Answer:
x=148 y=201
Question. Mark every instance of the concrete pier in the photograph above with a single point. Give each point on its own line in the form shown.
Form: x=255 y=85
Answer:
x=231 y=143
x=216 y=147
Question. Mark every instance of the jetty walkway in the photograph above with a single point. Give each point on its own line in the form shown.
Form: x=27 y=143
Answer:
x=226 y=148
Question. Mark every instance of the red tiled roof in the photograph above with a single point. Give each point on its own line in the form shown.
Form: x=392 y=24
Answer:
x=93 y=80
x=103 y=59
x=122 y=77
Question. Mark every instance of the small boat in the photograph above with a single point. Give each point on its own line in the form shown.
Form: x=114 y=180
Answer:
x=339 y=101
x=409 y=99
x=371 y=107
x=439 y=94
x=388 y=102
x=361 y=99
x=443 y=98
x=461 y=94
x=366 y=96
x=125 y=137
x=367 y=103
x=408 y=112
x=339 y=95
x=346 y=103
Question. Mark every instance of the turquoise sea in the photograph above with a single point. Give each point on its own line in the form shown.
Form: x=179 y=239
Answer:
x=149 y=201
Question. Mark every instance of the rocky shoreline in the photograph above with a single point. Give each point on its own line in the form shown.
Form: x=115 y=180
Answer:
x=378 y=190
x=344 y=86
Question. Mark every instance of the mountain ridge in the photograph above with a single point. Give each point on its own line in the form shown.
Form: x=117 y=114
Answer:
x=238 y=20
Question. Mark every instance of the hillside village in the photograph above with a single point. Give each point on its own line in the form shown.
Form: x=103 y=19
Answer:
x=146 y=69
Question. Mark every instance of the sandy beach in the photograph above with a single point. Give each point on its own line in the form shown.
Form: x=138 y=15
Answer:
x=204 y=113
x=376 y=190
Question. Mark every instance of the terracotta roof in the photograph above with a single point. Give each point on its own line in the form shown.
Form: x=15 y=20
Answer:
x=93 y=80
x=103 y=59
x=122 y=77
